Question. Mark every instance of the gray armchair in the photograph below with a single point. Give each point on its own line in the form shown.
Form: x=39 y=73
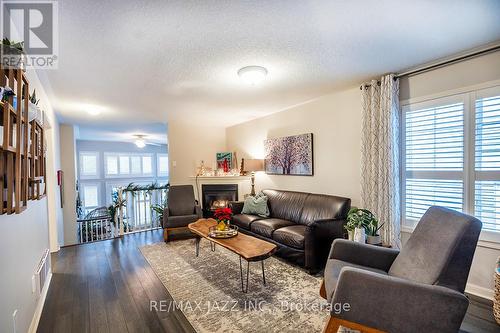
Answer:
x=420 y=289
x=182 y=209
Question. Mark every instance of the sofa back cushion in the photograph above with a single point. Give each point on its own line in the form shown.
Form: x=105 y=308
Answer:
x=286 y=205
x=321 y=207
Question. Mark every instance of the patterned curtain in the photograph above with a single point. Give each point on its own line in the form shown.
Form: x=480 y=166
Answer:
x=380 y=173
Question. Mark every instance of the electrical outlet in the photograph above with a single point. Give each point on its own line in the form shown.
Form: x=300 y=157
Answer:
x=174 y=163
x=14 y=321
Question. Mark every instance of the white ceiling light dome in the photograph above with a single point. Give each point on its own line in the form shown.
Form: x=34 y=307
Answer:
x=253 y=74
x=140 y=142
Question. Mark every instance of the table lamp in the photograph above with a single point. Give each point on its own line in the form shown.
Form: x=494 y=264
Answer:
x=252 y=166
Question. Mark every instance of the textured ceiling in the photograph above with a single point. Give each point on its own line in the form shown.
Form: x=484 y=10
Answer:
x=148 y=62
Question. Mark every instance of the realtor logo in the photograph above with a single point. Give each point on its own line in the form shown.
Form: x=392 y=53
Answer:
x=29 y=32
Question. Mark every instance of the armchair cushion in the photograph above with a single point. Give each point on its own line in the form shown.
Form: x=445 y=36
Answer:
x=332 y=272
x=244 y=220
x=393 y=304
x=365 y=255
x=440 y=249
x=179 y=221
x=268 y=226
x=181 y=200
x=292 y=236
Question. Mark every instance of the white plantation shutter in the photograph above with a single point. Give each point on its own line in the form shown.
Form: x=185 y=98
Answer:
x=487 y=162
x=434 y=157
x=451 y=157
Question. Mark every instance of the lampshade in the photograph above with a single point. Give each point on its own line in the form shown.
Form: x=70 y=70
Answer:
x=250 y=165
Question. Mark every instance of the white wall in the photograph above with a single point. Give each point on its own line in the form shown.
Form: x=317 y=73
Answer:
x=26 y=236
x=468 y=73
x=188 y=144
x=334 y=120
x=68 y=166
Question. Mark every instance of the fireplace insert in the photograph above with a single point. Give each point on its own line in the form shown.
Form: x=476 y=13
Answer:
x=216 y=196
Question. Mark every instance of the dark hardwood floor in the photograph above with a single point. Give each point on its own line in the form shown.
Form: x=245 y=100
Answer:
x=107 y=287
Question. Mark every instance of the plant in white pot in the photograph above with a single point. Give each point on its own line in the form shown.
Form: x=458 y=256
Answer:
x=356 y=222
x=372 y=232
x=363 y=226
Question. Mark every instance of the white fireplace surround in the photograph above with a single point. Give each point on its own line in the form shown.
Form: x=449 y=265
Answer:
x=243 y=182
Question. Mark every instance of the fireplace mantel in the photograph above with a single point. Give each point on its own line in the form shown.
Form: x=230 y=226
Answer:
x=243 y=183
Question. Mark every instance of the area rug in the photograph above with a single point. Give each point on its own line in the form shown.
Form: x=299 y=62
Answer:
x=207 y=289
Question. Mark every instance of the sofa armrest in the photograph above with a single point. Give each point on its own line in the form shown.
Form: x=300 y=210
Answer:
x=236 y=206
x=198 y=211
x=164 y=216
x=363 y=254
x=319 y=236
x=393 y=304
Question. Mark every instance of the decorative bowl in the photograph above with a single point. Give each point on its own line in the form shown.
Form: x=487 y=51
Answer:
x=229 y=232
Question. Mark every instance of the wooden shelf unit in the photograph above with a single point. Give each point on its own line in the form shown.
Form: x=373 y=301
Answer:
x=17 y=146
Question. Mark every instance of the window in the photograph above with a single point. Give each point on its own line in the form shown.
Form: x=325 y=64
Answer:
x=90 y=195
x=451 y=156
x=147 y=169
x=127 y=165
x=162 y=165
x=124 y=165
x=111 y=165
x=434 y=152
x=487 y=159
x=88 y=165
x=135 y=162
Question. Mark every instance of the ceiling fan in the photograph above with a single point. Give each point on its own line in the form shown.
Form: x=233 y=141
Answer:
x=141 y=142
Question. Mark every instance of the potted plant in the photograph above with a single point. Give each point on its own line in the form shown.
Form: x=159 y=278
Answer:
x=361 y=222
x=159 y=209
x=356 y=224
x=223 y=217
x=350 y=226
x=372 y=229
x=33 y=109
x=15 y=52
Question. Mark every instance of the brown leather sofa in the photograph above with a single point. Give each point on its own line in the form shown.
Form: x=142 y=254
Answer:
x=302 y=225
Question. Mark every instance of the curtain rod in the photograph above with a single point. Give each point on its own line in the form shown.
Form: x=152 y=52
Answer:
x=461 y=58
x=442 y=63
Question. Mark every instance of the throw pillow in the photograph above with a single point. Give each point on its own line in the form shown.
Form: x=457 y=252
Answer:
x=256 y=206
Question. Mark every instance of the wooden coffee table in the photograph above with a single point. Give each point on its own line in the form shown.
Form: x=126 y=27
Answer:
x=245 y=246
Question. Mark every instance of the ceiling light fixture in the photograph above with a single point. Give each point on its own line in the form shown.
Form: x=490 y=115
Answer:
x=94 y=112
x=140 y=142
x=252 y=74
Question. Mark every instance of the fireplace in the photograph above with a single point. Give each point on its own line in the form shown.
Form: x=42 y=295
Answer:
x=217 y=196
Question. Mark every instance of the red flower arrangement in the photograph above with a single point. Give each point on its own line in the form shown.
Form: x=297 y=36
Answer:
x=223 y=214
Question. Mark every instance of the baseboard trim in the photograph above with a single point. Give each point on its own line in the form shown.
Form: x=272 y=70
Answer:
x=479 y=291
x=39 y=305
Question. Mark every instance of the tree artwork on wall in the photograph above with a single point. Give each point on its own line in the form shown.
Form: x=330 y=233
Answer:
x=290 y=155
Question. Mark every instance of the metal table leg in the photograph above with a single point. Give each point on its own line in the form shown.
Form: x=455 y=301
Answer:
x=263 y=274
x=243 y=288
x=212 y=246
x=197 y=245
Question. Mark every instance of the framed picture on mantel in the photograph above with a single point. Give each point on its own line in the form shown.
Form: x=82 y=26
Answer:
x=225 y=156
x=290 y=155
